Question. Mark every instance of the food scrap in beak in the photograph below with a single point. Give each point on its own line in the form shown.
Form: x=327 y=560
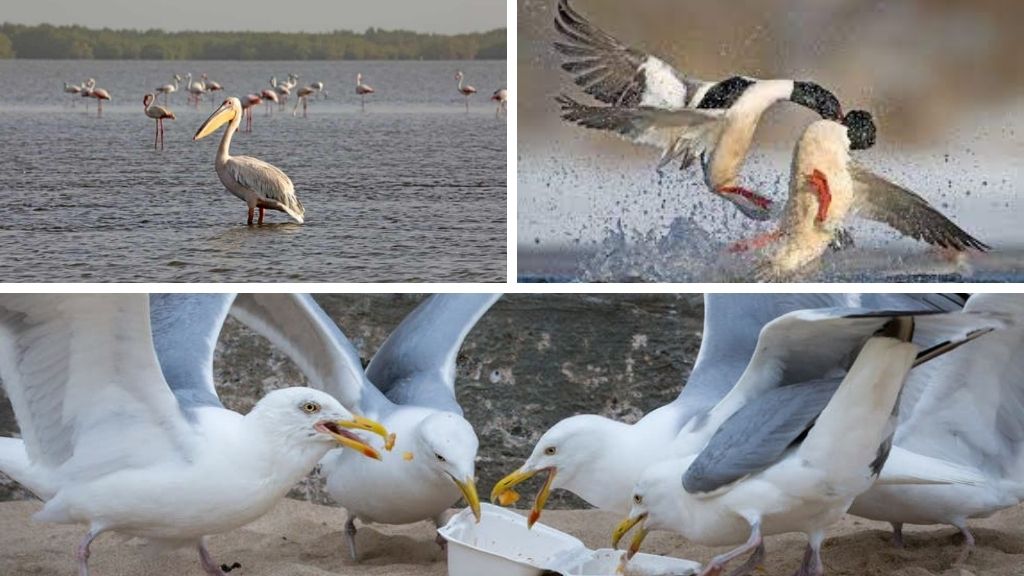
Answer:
x=500 y=493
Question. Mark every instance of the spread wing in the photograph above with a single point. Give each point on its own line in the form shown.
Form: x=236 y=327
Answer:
x=83 y=378
x=300 y=328
x=883 y=201
x=416 y=364
x=614 y=73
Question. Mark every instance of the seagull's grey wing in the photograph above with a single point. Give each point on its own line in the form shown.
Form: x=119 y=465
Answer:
x=614 y=73
x=185 y=332
x=759 y=434
x=300 y=328
x=86 y=387
x=883 y=201
x=684 y=134
x=967 y=407
x=416 y=364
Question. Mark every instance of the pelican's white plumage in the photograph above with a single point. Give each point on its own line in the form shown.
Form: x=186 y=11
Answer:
x=260 y=184
x=107 y=443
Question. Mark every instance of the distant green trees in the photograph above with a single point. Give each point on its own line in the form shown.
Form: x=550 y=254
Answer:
x=76 y=42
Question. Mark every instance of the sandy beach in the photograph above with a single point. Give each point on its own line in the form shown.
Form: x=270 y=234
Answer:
x=299 y=538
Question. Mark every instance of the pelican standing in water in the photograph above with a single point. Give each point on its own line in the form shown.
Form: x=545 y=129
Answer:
x=261 y=185
x=362 y=90
x=465 y=90
x=157 y=113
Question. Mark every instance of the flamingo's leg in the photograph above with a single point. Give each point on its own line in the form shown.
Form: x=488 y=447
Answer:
x=252 y=210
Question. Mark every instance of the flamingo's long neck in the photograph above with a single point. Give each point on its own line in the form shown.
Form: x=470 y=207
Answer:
x=460 y=82
x=225 y=141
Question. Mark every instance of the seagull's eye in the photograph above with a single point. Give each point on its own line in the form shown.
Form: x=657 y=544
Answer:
x=439 y=457
x=638 y=499
x=550 y=451
x=310 y=407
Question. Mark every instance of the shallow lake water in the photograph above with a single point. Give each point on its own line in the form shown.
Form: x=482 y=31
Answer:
x=412 y=189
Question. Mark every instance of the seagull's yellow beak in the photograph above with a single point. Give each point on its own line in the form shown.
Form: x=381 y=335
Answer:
x=337 y=430
x=220 y=116
x=468 y=489
x=520 y=476
x=624 y=527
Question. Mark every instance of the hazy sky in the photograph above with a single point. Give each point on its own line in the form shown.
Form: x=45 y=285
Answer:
x=443 y=16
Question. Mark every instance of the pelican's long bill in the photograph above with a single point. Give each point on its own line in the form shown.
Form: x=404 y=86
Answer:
x=468 y=489
x=220 y=116
x=520 y=476
x=337 y=430
x=624 y=527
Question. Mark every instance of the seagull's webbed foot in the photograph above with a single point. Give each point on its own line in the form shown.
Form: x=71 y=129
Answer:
x=968 y=546
x=350 y=537
x=751 y=204
x=225 y=568
x=812 y=566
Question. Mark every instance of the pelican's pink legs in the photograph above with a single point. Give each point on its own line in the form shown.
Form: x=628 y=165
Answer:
x=261 y=215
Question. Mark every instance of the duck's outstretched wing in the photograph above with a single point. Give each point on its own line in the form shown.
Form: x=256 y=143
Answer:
x=416 y=364
x=684 y=134
x=883 y=201
x=617 y=74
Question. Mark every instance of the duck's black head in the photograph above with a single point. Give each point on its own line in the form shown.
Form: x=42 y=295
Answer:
x=860 y=128
x=816 y=98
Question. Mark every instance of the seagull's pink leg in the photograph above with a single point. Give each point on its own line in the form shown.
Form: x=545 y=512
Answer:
x=82 y=552
x=820 y=183
x=207 y=561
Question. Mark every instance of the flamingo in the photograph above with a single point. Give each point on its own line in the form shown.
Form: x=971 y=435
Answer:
x=212 y=86
x=250 y=101
x=260 y=184
x=362 y=89
x=195 y=89
x=319 y=87
x=168 y=89
x=501 y=97
x=72 y=89
x=158 y=113
x=269 y=96
x=100 y=95
x=304 y=93
x=466 y=90
x=86 y=91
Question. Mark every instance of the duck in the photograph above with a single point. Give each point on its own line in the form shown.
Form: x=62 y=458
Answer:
x=651 y=103
x=827 y=187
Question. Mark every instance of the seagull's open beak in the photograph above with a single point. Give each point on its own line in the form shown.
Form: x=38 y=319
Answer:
x=220 y=116
x=468 y=489
x=337 y=430
x=520 y=476
x=638 y=538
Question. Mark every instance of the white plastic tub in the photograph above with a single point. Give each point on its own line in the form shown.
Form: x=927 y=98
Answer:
x=502 y=545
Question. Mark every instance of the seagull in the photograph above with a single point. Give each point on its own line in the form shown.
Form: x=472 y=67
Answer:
x=651 y=103
x=260 y=184
x=826 y=187
x=970 y=413
x=108 y=444
x=799 y=436
x=409 y=386
x=600 y=459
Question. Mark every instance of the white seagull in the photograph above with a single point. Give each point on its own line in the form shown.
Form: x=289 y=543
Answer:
x=653 y=104
x=260 y=184
x=106 y=443
x=966 y=408
x=600 y=459
x=409 y=386
x=826 y=187
x=807 y=428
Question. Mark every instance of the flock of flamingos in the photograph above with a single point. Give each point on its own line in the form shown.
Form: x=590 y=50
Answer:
x=261 y=185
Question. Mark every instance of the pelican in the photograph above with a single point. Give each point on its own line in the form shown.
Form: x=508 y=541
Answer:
x=158 y=113
x=251 y=101
x=72 y=89
x=304 y=93
x=269 y=96
x=827 y=187
x=261 y=185
x=362 y=89
x=501 y=97
x=466 y=90
x=168 y=89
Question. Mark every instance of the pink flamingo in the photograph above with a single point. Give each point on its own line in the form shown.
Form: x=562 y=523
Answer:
x=248 y=103
x=270 y=98
x=362 y=89
x=158 y=113
x=100 y=95
x=501 y=97
x=304 y=93
x=466 y=90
